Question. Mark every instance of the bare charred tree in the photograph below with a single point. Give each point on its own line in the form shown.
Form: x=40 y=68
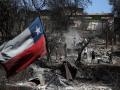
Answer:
x=116 y=12
x=6 y=19
x=14 y=18
x=83 y=45
x=62 y=10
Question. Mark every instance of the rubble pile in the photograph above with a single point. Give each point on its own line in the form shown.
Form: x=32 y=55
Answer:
x=41 y=78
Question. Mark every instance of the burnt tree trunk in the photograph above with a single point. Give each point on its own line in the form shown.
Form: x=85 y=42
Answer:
x=81 y=50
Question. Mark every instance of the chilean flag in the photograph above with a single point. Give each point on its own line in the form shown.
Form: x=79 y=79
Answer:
x=19 y=53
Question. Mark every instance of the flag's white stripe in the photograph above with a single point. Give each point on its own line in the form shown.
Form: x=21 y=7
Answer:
x=20 y=49
x=17 y=45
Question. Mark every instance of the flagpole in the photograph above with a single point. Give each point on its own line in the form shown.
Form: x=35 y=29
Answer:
x=48 y=53
x=44 y=32
x=46 y=46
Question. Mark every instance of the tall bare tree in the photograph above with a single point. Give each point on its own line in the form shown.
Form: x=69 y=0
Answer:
x=59 y=13
x=6 y=19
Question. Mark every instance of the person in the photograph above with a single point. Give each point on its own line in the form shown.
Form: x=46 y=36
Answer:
x=93 y=57
x=110 y=57
x=85 y=53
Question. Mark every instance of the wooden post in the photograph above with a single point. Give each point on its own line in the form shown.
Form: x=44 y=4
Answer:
x=112 y=45
x=106 y=39
x=115 y=38
x=107 y=28
x=68 y=73
x=65 y=50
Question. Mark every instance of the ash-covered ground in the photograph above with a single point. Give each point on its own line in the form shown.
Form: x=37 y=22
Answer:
x=36 y=78
x=88 y=77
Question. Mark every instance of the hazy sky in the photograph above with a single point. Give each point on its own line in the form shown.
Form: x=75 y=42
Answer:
x=99 y=6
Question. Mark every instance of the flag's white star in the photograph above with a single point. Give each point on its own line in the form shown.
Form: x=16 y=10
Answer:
x=37 y=30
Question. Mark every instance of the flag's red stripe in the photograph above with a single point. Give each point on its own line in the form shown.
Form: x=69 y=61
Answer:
x=24 y=59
